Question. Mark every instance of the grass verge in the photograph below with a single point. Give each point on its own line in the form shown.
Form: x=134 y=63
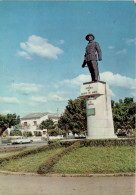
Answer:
x=29 y=163
x=72 y=159
x=98 y=160
x=47 y=165
x=30 y=151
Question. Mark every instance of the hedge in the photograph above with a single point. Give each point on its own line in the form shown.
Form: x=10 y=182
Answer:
x=47 y=165
x=31 y=151
x=98 y=142
x=15 y=133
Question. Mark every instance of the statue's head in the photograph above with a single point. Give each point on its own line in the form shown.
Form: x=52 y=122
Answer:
x=87 y=36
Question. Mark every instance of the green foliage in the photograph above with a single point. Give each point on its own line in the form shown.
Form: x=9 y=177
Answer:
x=47 y=165
x=37 y=133
x=74 y=158
x=15 y=133
x=124 y=114
x=62 y=132
x=35 y=160
x=27 y=133
x=31 y=151
x=52 y=132
x=17 y=127
x=74 y=116
x=98 y=159
x=7 y=121
x=98 y=142
x=47 y=124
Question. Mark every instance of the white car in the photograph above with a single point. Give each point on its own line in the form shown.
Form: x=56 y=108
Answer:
x=21 y=140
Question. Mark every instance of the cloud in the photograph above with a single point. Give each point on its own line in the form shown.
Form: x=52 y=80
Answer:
x=9 y=99
x=39 y=46
x=115 y=80
x=26 y=87
x=75 y=81
x=24 y=54
x=53 y=96
x=38 y=99
x=123 y=51
x=131 y=41
x=118 y=80
x=57 y=96
x=111 y=47
x=112 y=93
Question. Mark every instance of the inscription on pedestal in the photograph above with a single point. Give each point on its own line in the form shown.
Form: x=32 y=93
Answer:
x=92 y=89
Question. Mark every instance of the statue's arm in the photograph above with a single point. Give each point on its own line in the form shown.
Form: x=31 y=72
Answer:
x=98 y=49
x=84 y=62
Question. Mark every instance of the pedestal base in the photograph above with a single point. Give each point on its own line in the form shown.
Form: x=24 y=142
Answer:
x=104 y=137
x=99 y=112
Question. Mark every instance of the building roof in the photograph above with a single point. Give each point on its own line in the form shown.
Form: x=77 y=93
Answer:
x=53 y=117
x=37 y=115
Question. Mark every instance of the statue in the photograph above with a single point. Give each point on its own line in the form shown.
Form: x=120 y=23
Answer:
x=90 y=57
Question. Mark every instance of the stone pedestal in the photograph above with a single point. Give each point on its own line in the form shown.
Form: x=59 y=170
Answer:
x=99 y=113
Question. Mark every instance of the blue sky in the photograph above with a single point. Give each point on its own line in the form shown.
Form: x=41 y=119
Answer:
x=42 y=46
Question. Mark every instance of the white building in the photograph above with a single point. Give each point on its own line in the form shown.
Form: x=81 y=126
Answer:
x=32 y=121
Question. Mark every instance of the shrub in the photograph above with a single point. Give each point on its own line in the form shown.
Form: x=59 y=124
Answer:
x=15 y=133
x=52 y=132
x=99 y=142
x=47 y=166
x=27 y=133
x=37 y=133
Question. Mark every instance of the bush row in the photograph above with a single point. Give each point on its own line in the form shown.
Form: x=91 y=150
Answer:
x=31 y=151
x=98 y=142
x=47 y=165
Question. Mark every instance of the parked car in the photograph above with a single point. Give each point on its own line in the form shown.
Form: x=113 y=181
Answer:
x=21 y=140
x=82 y=136
x=121 y=134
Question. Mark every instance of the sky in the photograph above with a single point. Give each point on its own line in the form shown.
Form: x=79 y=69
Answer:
x=42 y=46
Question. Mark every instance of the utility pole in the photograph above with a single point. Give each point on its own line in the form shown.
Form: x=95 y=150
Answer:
x=57 y=119
x=57 y=113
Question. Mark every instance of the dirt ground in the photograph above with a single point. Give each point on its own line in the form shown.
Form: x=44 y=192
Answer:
x=42 y=185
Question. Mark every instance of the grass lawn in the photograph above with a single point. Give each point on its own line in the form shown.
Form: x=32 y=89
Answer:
x=98 y=160
x=29 y=163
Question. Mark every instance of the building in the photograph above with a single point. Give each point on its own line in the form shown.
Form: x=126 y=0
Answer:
x=32 y=121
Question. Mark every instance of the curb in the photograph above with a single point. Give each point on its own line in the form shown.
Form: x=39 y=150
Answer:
x=67 y=175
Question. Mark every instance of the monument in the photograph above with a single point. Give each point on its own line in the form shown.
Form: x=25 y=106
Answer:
x=97 y=93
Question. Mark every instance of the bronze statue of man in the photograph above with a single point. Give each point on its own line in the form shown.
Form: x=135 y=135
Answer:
x=90 y=57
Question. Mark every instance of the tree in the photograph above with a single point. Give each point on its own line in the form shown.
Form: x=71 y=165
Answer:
x=47 y=124
x=124 y=114
x=7 y=121
x=74 y=116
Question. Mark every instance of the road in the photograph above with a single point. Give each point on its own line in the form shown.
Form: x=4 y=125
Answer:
x=41 y=185
x=33 y=144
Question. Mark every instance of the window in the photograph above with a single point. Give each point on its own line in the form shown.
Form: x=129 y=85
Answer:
x=25 y=124
x=35 y=123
